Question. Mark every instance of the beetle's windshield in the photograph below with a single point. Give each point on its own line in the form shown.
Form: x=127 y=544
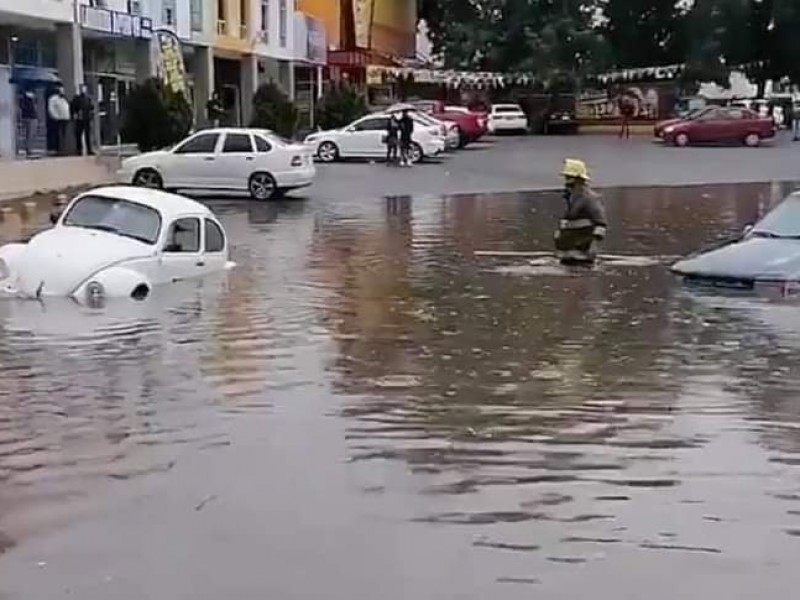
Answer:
x=781 y=222
x=116 y=216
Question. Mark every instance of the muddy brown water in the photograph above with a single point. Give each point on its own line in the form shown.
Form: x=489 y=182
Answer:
x=364 y=408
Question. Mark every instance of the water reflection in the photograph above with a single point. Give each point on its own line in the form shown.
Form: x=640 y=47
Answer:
x=604 y=416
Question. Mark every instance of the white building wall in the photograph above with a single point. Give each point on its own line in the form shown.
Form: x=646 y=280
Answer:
x=268 y=43
x=52 y=10
x=181 y=23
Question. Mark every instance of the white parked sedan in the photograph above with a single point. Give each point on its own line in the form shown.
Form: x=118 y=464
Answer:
x=252 y=160
x=507 y=117
x=365 y=137
x=116 y=242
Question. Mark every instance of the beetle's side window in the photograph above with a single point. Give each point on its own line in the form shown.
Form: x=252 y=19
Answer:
x=205 y=143
x=215 y=239
x=183 y=236
x=262 y=145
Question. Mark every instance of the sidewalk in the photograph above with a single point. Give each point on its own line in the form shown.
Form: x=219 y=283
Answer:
x=23 y=178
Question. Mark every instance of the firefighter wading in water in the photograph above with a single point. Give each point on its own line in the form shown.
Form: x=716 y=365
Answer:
x=584 y=223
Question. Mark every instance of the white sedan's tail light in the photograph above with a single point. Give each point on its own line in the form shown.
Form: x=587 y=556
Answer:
x=297 y=161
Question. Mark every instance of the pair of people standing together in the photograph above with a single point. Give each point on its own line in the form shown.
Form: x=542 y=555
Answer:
x=399 y=132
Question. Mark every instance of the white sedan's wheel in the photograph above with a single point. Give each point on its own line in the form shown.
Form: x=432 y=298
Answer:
x=415 y=153
x=752 y=140
x=148 y=178
x=262 y=186
x=681 y=140
x=328 y=152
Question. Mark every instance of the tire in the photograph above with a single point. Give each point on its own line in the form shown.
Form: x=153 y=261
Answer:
x=262 y=186
x=752 y=140
x=681 y=140
x=462 y=140
x=328 y=152
x=415 y=153
x=148 y=178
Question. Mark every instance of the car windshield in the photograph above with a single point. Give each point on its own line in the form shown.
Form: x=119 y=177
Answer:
x=122 y=217
x=781 y=222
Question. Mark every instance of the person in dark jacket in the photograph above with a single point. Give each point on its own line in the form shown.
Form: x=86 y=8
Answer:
x=406 y=136
x=82 y=109
x=392 y=139
x=30 y=119
x=584 y=223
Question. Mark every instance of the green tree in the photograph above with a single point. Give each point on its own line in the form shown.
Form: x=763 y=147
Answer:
x=155 y=117
x=645 y=33
x=341 y=104
x=272 y=109
x=548 y=38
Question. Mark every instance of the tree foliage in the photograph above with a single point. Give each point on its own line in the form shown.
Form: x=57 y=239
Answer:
x=341 y=104
x=554 y=37
x=273 y=110
x=155 y=116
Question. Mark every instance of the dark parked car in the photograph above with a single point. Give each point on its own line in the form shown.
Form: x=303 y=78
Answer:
x=718 y=125
x=561 y=122
x=765 y=255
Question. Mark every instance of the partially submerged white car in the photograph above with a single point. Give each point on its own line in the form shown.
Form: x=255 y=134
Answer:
x=116 y=242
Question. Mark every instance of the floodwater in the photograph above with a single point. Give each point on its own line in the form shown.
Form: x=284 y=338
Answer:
x=369 y=407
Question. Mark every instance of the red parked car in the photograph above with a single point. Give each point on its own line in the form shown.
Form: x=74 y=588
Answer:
x=718 y=125
x=472 y=126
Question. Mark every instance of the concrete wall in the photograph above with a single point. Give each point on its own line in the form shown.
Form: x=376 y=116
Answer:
x=53 y=10
x=23 y=178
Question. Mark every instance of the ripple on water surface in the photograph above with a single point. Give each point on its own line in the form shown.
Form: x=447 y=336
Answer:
x=571 y=427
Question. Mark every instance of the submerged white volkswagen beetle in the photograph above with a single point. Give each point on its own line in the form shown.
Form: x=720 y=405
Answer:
x=116 y=242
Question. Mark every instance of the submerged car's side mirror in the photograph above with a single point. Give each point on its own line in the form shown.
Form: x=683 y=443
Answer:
x=747 y=229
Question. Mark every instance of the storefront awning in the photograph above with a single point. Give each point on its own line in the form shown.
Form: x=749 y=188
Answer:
x=33 y=75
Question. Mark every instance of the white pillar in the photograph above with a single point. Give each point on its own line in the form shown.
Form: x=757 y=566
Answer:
x=249 y=85
x=69 y=57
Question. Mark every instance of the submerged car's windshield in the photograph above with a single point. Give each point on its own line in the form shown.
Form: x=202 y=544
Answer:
x=116 y=216
x=781 y=222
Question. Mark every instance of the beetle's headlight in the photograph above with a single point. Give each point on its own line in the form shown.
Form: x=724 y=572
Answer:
x=95 y=293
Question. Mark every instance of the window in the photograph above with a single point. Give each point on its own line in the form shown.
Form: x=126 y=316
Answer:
x=262 y=145
x=121 y=217
x=168 y=15
x=244 y=14
x=265 y=18
x=222 y=15
x=282 y=22
x=215 y=239
x=184 y=236
x=237 y=142
x=205 y=143
x=372 y=125
x=197 y=15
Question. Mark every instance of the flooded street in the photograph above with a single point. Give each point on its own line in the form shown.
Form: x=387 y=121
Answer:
x=370 y=406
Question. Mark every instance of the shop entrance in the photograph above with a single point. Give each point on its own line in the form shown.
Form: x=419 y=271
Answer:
x=110 y=93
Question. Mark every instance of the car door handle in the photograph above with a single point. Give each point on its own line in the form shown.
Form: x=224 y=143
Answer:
x=209 y=158
x=200 y=263
x=250 y=158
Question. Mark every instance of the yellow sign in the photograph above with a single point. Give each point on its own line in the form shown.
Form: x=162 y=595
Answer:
x=172 y=67
x=363 y=17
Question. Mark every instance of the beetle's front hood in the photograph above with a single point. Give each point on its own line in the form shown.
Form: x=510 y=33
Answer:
x=753 y=258
x=57 y=261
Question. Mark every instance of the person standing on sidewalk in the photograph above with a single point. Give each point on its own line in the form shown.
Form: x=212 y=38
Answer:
x=59 y=112
x=793 y=119
x=215 y=110
x=626 y=111
x=30 y=120
x=406 y=136
x=82 y=109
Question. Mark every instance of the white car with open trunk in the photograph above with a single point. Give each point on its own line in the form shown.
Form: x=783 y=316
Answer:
x=256 y=161
x=116 y=242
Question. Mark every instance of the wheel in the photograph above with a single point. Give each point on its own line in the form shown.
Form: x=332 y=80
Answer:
x=681 y=140
x=262 y=186
x=752 y=140
x=148 y=178
x=415 y=153
x=328 y=152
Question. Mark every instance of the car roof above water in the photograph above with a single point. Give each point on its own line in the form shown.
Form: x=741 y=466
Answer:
x=167 y=204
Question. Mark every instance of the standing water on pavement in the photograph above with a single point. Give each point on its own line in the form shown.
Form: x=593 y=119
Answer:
x=366 y=408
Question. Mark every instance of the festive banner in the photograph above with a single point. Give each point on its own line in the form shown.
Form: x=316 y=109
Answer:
x=171 y=67
x=363 y=11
